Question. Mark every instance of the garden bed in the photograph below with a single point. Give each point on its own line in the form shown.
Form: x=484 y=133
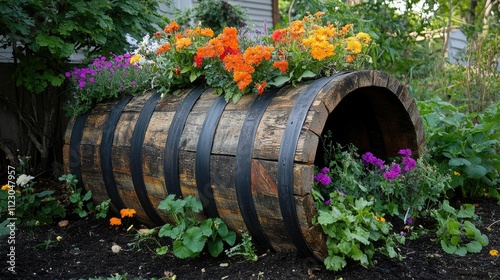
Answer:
x=85 y=252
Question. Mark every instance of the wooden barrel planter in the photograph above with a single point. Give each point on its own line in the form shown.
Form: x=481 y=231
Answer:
x=250 y=163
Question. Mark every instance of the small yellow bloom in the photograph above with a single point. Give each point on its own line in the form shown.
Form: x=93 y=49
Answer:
x=5 y=187
x=494 y=253
x=380 y=219
x=135 y=58
x=183 y=43
x=59 y=238
x=488 y=228
x=127 y=212
x=363 y=37
x=456 y=173
x=115 y=221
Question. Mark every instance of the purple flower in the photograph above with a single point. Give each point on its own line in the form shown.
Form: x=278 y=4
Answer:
x=91 y=80
x=405 y=152
x=81 y=84
x=323 y=179
x=402 y=233
x=409 y=163
x=328 y=202
x=410 y=220
x=369 y=158
x=325 y=170
x=67 y=74
x=134 y=83
x=393 y=172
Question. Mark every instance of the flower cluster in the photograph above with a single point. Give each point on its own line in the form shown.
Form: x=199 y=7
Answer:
x=322 y=177
x=394 y=171
x=106 y=78
x=126 y=212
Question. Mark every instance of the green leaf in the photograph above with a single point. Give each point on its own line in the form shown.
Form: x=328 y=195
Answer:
x=325 y=218
x=230 y=238
x=215 y=247
x=475 y=171
x=162 y=250
x=206 y=227
x=193 y=238
x=280 y=81
x=458 y=162
x=87 y=196
x=181 y=250
x=334 y=263
x=448 y=248
x=455 y=240
x=306 y=74
x=474 y=246
x=482 y=239
x=461 y=251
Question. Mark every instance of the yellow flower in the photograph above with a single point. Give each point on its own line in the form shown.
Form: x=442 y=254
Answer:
x=135 y=58
x=456 y=173
x=363 y=37
x=127 y=212
x=488 y=228
x=183 y=43
x=494 y=253
x=380 y=219
x=59 y=238
x=115 y=221
x=353 y=45
x=5 y=187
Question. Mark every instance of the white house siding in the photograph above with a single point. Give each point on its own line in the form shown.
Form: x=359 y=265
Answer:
x=457 y=44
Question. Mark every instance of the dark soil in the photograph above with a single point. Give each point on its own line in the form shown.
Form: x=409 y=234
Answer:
x=85 y=252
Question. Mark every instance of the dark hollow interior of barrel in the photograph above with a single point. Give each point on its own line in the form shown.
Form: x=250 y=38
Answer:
x=373 y=120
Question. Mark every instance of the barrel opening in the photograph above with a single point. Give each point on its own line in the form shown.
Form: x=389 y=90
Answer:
x=374 y=120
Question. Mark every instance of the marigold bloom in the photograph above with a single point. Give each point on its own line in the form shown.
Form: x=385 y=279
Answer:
x=115 y=221
x=350 y=58
x=5 y=187
x=363 y=37
x=282 y=65
x=297 y=28
x=353 y=45
x=229 y=38
x=212 y=49
x=254 y=55
x=182 y=43
x=171 y=27
x=243 y=79
x=346 y=28
x=321 y=50
x=127 y=212
x=261 y=87
x=207 y=32
x=135 y=58
x=163 y=48
x=494 y=253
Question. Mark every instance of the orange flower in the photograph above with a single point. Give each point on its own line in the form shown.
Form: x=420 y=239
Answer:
x=254 y=55
x=182 y=43
x=363 y=37
x=171 y=27
x=115 y=221
x=212 y=49
x=163 y=48
x=243 y=79
x=282 y=65
x=346 y=28
x=229 y=38
x=127 y=212
x=207 y=32
x=494 y=253
x=261 y=87
x=297 y=28
x=350 y=58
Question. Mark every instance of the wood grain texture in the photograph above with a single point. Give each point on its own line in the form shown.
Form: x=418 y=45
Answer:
x=367 y=108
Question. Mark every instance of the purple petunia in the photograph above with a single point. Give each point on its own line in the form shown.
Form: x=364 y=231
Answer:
x=405 y=152
x=393 y=172
x=408 y=163
x=369 y=158
x=323 y=179
x=328 y=202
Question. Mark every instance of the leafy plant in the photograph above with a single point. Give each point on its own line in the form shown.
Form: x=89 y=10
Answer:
x=457 y=234
x=189 y=235
x=465 y=144
x=352 y=228
x=81 y=201
x=32 y=207
x=246 y=248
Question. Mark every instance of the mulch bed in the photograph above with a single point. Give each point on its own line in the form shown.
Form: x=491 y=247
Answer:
x=85 y=252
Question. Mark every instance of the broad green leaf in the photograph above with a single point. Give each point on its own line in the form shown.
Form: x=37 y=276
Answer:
x=475 y=171
x=162 y=250
x=230 y=238
x=455 y=240
x=87 y=196
x=206 y=227
x=181 y=250
x=334 y=263
x=279 y=81
x=306 y=74
x=458 y=162
x=215 y=247
x=448 y=248
x=461 y=251
x=325 y=218
x=194 y=239
x=474 y=246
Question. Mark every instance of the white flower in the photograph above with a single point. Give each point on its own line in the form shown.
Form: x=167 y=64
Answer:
x=23 y=179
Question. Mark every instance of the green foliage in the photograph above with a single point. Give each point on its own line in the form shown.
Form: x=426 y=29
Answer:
x=46 y=33
x=81 y=200
x=32 y=207
x=246 y=248
x=190 y=235
x=353 y=228
x=214 y=14
x=457 y=234
x=465 y=144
